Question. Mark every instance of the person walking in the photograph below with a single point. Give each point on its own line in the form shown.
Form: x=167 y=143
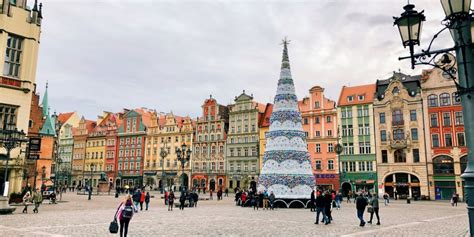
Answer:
x=26 y=200
x=191 y=199
x=361 y=203
x=255 y=201
x=195 y=199
x=210 y=194
x=454 y=200
x=147 y=200
x=226 y=191
x=219 y=194
x=142 y=199
x=166 y=197
x=386 y=199
x=338 y=200
x=328 y=198
x=320 y=204
x=313 y=201
x=171 y=201
x=374 y=203
x=89 y=190
x=37 y=200
x=124 y=214
x=243 y=198
x=182 y=200
x=349 y=195
x=136 y=198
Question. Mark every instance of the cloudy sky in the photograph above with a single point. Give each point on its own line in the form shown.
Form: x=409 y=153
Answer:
x=171 y=55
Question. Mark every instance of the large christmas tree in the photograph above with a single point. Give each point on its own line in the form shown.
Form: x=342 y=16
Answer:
x=286 y=169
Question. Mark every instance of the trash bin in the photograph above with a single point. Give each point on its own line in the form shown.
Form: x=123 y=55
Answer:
x=408 y=200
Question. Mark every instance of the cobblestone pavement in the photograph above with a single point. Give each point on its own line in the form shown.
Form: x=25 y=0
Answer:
x=80 y=217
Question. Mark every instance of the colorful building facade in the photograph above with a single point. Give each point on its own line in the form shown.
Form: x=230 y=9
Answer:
x=446 y=142
x=242 y=159
x=209 y=147
x=399 y=127
x=356 y=136
x=319 y=119
x=67 y=121
x=80 y=135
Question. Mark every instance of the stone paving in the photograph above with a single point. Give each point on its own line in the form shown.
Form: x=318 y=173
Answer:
x=80 y=217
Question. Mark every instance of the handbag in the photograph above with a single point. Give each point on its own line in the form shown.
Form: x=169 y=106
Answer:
x=113 y=227
x=370 y=209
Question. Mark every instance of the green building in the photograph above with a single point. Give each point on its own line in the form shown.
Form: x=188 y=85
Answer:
x=356 y=135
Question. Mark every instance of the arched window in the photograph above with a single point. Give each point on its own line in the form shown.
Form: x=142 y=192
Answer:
x=463 y=163
x=443 y=165
x=433 y=101
x=395 y=90
x=400 y=156
x=456 y=99
x=445 y=99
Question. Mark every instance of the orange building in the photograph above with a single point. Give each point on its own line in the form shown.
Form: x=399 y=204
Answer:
x=320 y=124
x=79 y=152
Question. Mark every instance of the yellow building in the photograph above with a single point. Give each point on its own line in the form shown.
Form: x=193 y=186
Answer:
x=94 y=168
x=19 y=43
x=167 y=132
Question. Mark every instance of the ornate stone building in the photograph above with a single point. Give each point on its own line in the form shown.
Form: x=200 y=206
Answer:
x=356 y=135
x=446 y=142
x=209 y=146
x=399 y=126
x=19 y=45
x=319 y=119
x=167 y=133
x=242 y=160
x=67 y=121
x=80 y=135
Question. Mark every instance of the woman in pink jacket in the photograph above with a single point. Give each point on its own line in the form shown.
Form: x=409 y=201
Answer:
x=124 y=214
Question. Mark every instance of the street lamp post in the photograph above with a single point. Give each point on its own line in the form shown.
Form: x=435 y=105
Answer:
x=460 y=68
x=163 y=154
x=183 y=157
x=10 y=138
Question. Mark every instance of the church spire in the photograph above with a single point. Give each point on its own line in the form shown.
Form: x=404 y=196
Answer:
x=45 y=102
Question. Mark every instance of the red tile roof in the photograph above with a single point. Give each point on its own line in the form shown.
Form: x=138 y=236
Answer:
x=368 y=91
x=63 y=117
x=265 y=117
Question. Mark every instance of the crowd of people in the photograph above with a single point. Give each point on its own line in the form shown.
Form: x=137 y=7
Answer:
x=251 y=198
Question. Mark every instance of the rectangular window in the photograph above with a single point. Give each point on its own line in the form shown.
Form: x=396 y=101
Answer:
x=416 y=155
x=345 y=167
x=330 y=147
x=318 y=133
x=318 y=148
x=13 y=56
x=384 y=156
x=434 y=120
x=352 y=166
x=305 y=120
x=318 y=164
x=448 y=140
x=330 y=164
x=329 y=133
x=317 y=120
x=362 y=166
x=435 y=140
x=370 y=166
x=459 y=118
x=316 y=105
x=414 y=134
x=412 y=115
x=446 y=119
x=382 y=117
x=328 y=119
x=383 y=135
x=461 y=140
x=7 y=116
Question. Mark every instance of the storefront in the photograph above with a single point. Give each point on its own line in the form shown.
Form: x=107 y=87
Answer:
x=327 y=181
x=402 y=186
x=444 y=177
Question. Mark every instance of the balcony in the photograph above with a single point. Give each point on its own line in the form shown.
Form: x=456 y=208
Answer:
x=398 y=123
x=399 y=144
x=14 y=83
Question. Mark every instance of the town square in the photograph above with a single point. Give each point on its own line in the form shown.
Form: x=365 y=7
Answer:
x=236 y=118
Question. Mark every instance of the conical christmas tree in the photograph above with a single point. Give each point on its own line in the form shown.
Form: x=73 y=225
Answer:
x=286 y=169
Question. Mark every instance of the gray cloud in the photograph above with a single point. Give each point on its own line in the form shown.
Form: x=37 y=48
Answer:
x=170 y=55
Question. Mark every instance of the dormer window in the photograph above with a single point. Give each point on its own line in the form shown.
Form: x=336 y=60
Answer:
x=395 y=90
x=361 y=97
x=350 y=98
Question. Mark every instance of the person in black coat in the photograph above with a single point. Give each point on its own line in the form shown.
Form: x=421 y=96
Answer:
x=320 y=204
x=312 y=203
x=182 y=200
x=196 y=199
x=361 y=203
x=327 y=207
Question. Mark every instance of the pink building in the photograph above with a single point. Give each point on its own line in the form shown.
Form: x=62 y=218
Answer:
x=320 y=124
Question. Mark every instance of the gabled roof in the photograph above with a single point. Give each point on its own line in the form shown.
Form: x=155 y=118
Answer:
x=63 y=117
x=265 y=118
x=367 y=91
x=90 y=125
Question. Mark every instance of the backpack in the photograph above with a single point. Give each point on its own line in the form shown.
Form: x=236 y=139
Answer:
x=127 y=212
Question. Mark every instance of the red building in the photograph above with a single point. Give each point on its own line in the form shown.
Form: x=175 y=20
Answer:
x=209 y=146
x=447 y=152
